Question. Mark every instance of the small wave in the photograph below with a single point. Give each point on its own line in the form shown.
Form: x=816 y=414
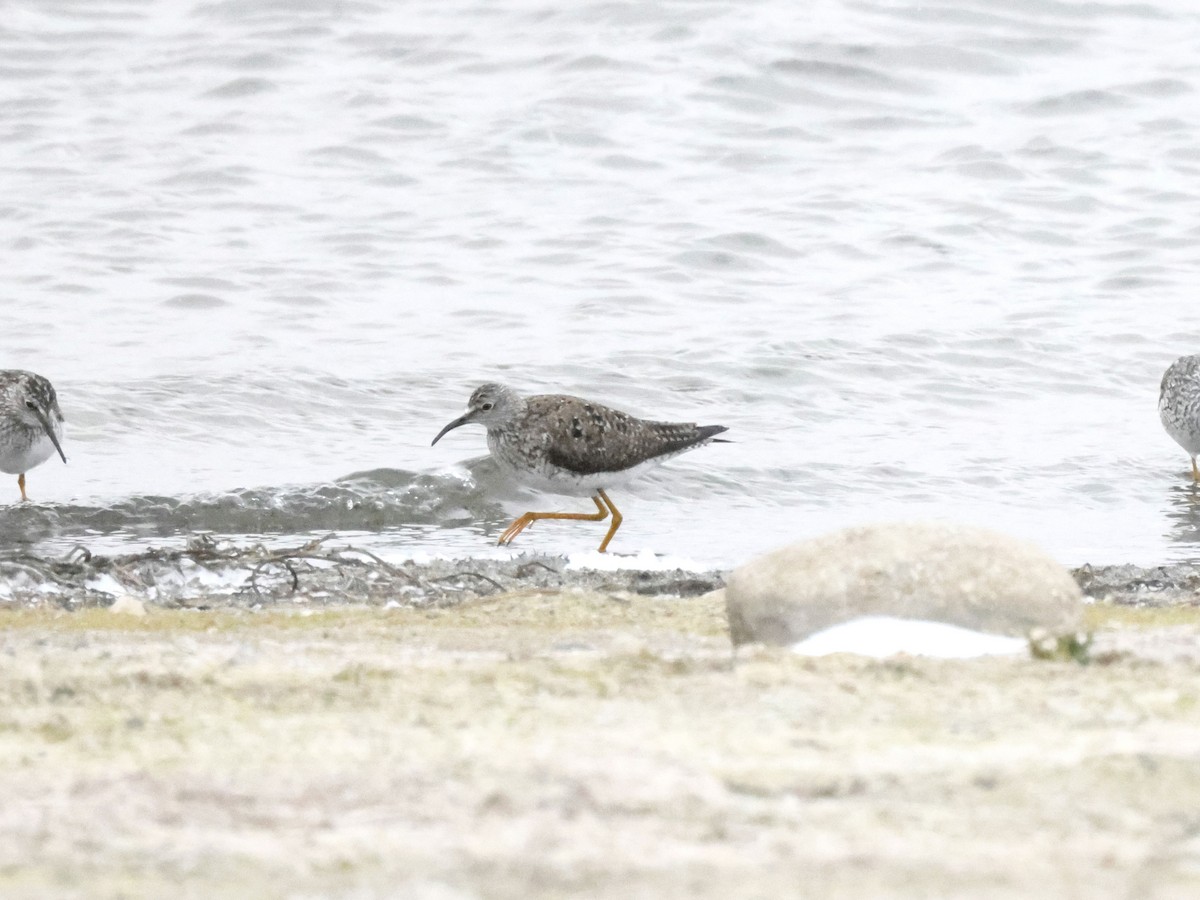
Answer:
x=376 y=500
x=1159 y=87
x=195 y=301
x=242 y=87
x=592 y=62
x=714 y=260
x=408 y=122
x=1076 y=103
x=752 y=242
x=842 y=73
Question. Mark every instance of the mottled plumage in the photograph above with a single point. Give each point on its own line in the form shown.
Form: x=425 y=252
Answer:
x=566 y=445
x=30 y=423
x=1179 y=406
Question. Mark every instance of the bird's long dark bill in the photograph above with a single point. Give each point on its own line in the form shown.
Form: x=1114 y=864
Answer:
x=461 y=420
x=50 y=433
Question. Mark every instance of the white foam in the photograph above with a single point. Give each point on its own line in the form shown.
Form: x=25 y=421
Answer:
x=106 y=584
x=185 y=580
x=642 y=560
x=422 y=557
x=586 y=559
x=882 y=636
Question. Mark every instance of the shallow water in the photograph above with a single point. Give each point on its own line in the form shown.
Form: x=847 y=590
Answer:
x=922 y=260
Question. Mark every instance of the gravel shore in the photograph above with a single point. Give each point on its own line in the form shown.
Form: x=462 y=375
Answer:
x=211 y=574
x=550 y=743
x=520 y=729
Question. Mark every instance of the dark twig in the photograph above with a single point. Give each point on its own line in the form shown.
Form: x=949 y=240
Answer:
x=386 y=565
x=524 y=569
x=493 y=582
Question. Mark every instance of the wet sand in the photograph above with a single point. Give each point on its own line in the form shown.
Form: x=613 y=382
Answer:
x=548 y=743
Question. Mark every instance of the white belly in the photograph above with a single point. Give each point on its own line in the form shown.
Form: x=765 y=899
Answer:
x=560 y=481
x=17 y=456
x=1184 y=431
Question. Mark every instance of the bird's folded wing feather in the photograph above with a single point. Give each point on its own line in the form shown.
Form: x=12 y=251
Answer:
x=588 y=438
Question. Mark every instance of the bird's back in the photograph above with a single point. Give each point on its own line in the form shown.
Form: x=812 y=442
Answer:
x=1179 y=402
x=586 y=438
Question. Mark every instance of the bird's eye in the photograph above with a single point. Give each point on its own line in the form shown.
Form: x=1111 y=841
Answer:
x=30 y=404
x=486 y=406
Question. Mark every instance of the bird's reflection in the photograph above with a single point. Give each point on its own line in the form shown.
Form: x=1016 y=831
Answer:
x=1182 y=509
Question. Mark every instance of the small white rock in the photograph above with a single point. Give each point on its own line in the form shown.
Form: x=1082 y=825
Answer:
x=128 y=606
x=884 y=636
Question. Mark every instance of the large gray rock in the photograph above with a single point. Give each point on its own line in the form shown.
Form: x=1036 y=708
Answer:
x=959 y=574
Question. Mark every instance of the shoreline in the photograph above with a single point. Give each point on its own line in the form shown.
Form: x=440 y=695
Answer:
x=209 y=573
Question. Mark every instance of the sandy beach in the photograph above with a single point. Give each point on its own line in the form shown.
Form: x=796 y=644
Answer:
x=569 y=742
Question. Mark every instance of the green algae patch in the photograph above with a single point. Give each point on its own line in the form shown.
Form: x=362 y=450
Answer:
x=549 y=611
x=1110 y=615
x=158 y=620
x=471 y=623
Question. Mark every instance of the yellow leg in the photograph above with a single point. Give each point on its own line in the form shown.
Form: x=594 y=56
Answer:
x=21 y=485
x=616 y=522
x=530 y=517
x=1195 y=471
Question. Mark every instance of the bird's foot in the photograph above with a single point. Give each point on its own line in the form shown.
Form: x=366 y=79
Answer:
x=516 y=528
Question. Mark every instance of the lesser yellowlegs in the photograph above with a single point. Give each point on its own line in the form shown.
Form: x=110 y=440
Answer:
x=30 y=423
x=566 y=445
x=1179 y=406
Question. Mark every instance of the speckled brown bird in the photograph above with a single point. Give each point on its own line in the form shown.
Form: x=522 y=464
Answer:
x=567 y=445
x=1179 y=406
x=30 y=423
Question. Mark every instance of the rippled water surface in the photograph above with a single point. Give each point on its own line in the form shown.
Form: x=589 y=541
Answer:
x=922 y=259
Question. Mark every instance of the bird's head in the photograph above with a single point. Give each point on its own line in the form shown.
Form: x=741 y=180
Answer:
x=33 y=401
x=490 y=405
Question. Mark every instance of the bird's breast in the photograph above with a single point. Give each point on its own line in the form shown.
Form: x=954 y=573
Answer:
x=23 y=448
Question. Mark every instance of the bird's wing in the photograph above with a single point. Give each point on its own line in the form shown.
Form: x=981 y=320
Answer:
x=587 y=438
